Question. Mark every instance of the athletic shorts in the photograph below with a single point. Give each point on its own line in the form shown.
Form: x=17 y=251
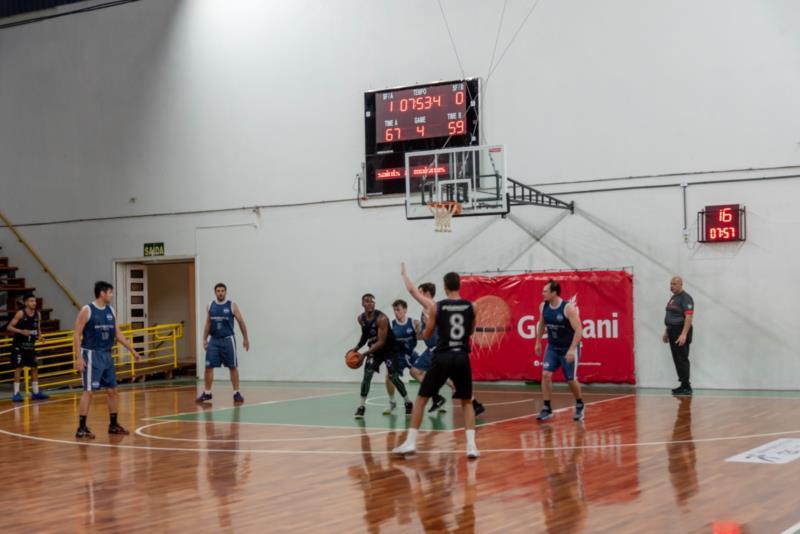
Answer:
x=452 y=365
x=406 y=361
x=23 y=356
x=222 y=351
x=424 y=361
x=391 y=360
x=99 y=372
x=555 y=357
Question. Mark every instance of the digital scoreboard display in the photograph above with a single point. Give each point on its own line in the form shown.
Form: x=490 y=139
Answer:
x=421 y=112
x=413 y=118
x=722 y=223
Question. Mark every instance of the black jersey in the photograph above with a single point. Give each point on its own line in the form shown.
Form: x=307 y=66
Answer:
x=27 y=323
x=369 y=331
x=455 y=320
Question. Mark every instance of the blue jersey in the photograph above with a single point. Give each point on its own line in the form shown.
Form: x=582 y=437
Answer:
x=559 y=330
x=434 y=339
x=406 y=335
x=221 y=319
x=100 y=331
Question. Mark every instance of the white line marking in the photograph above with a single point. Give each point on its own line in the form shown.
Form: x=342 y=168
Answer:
x=255 y=404
x=140 y=431
x=372 y=401
x=794 y=529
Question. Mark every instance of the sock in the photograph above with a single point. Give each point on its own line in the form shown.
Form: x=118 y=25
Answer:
x=206 y=392
x=471 y=437
x=16 y=388
x=547 y=405
x=578 y=402
x=83 y=422
x=113 y=419
x=411 y=439
x=35 y=386
x=363 y=402
x=391 y=397
x=236 y=392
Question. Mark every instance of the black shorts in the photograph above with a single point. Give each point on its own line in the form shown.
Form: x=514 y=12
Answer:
x=452 y=365
x=390 y=359
x=23 y=356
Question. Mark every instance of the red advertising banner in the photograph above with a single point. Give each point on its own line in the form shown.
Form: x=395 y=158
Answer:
x=507 y=309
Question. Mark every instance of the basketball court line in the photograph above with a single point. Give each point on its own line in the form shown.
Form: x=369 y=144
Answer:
x=794 y=529
x=358 y=452
x=140 y=431
x=278 y=401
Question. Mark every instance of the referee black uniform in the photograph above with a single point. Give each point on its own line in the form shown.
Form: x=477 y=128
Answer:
x=680 y=308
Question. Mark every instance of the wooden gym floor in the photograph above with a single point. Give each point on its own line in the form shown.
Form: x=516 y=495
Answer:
x=292 y=459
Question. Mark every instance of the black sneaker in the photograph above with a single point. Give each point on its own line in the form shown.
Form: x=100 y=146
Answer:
x=579 y=408
x=478 y=407
x=204 y=397
x=676 y=391
x=438 y=402
x=682 y=391
x=545 y=414
x=237 y=398
x=117 y=429
x=409 y=407
x=360 y=412
x=84 y=432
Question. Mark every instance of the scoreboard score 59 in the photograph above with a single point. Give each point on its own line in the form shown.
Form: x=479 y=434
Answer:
x=413 y=118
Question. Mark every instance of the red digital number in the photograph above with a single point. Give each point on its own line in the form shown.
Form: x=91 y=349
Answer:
x=456 y=127
x=460 y=97
x=428 y=102
x=391 y=106
x=725 y=215
x=421 y=130
x=403 y=105
x=390 y=134
x=437 y=100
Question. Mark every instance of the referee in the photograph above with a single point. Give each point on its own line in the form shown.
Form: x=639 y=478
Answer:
x=678 y=332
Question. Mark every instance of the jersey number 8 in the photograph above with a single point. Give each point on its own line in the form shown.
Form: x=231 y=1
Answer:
x=457 y=330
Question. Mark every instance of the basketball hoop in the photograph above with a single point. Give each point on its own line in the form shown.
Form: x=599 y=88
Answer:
x=443 y=214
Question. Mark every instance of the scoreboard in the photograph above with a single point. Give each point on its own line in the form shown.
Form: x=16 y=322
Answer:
x=722 y=223
x=414 y=118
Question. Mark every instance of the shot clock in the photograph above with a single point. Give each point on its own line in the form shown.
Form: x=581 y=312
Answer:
x=722 y=223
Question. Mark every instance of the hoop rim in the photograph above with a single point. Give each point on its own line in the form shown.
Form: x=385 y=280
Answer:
x=446 y=204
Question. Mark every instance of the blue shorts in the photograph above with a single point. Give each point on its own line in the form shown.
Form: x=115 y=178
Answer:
x=406 y=361
x=99 y=372
x=555 y=357
x=424 y=361
x=222 y=351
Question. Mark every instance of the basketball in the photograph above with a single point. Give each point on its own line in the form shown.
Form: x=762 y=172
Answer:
x=353 y=359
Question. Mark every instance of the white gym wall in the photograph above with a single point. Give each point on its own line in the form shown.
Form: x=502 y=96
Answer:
x=172 y=106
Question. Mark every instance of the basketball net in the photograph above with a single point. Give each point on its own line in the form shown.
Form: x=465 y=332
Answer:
x=443 y=214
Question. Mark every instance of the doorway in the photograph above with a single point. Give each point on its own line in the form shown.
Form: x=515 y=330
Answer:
x=154 y=292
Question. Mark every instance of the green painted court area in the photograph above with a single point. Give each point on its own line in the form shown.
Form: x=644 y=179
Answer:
x=335 y=410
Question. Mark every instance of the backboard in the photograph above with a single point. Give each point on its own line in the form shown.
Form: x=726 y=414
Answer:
x=475 y=176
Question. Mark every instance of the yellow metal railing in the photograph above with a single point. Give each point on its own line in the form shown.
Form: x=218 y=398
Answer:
x=157 y=345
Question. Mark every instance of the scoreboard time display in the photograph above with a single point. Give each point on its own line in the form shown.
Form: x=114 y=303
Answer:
x=413 y=118
x=722 y=223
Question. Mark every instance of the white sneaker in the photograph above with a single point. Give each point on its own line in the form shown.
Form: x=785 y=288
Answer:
x=472 y=452
x=405 y=448
x=389 y=409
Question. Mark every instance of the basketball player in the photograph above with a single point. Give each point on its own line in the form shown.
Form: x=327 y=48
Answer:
x=382 y=348
x=219 y=341
x=424 y=294
x=454 y=320
x=95 y=334
x=405 y=331
x=26 y=327
x=564 y=331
